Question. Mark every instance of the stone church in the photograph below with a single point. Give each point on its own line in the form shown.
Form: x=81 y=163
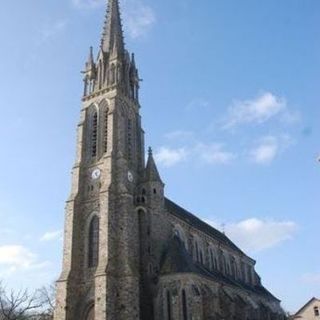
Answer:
x=130 y=253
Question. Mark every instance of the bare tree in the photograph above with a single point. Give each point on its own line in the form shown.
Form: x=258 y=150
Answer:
x=17 y=305
x=47 y=299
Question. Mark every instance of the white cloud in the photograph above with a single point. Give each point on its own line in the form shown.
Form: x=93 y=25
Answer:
x=258 y=110
x=17 y=257
x=52 y=235
x=169 y=157
x=138 y=18
x=266 y=152
x=255 y=235
x=268 y=148
x=311 y=278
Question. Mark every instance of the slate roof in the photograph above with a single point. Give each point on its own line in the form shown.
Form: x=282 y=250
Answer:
x=176 y=259
x=191 y=219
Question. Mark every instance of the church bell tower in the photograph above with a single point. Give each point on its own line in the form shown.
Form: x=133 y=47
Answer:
x=100 y=274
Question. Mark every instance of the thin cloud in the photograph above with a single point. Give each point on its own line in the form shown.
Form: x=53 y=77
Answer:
x=180 y=135
x=259 y=110
x=256 y=235
x=50 y=31
x=16 y=257
x=138 y=18
x=52 y=236
x=213 y=154
x=198 y=104
x=169 y=157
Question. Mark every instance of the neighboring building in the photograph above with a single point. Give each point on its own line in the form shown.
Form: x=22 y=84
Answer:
x=129 y=252
x=310 y=311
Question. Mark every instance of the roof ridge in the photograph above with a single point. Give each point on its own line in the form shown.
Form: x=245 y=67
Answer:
x=202 y=224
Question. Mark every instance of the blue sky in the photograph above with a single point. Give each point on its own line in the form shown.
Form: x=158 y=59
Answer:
x=230 y=104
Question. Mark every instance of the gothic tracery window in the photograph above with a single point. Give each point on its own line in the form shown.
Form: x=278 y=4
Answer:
x=93 y=243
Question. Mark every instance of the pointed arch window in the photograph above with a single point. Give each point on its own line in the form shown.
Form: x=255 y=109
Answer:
x=184 y=305
x=129 y=139
x=105 y=134
x=112 y=74
x=212 y=259
x=169 y=311
x=94 y=134
x=93 y=243
x=197 y=252
x=100 y=74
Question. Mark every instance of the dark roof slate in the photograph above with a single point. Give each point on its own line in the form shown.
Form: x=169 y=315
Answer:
x=176 y=259
x=191 y=219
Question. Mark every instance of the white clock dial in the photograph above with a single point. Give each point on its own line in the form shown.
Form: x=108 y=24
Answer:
x=95 y=174
x=130 y=176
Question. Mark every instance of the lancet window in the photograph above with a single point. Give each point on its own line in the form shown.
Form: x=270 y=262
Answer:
x=94 y=134
x=184 y=305
x=93 y=243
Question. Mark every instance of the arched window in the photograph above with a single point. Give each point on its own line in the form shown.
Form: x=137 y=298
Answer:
x=179 y=233
x=223 y=262
x=129 y=139
x=100 y=74
x=105 y=133
x=197 y=251
x=184 y=305
x=212 y=260
x=112 y=74
x=316 y=311
x=169 y=311
x=94 y=134
x=234 y=269
x=93 y=243
x=201 y=256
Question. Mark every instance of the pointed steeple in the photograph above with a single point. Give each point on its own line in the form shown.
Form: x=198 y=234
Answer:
x=90 y=65
x=151 y=172
x=112 y=36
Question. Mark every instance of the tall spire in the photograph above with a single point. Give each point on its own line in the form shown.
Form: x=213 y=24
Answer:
x=112 y=35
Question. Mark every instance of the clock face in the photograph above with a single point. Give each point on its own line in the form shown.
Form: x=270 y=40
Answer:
x=130 y=176
x=95 y=174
